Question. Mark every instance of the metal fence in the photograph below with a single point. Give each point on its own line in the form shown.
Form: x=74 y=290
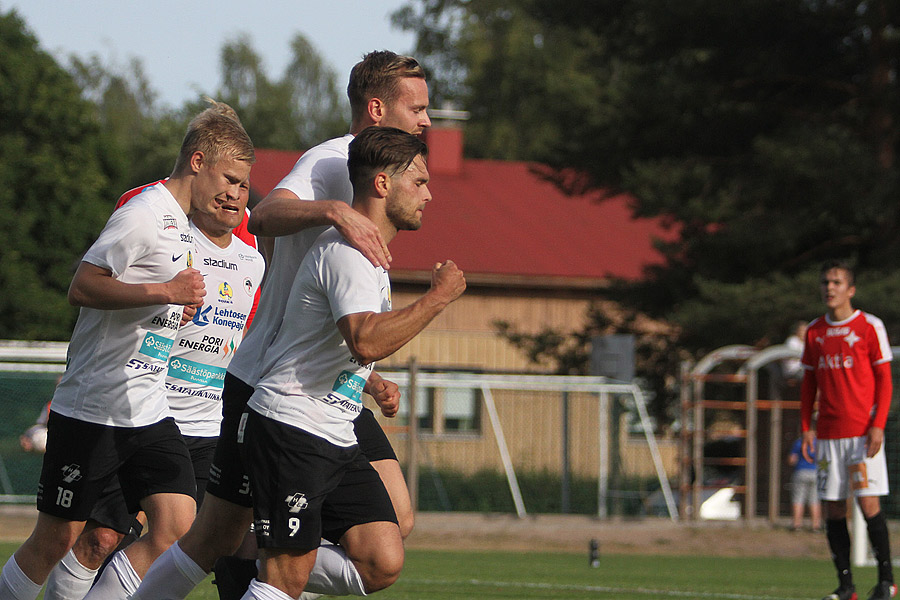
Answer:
x=490 y=443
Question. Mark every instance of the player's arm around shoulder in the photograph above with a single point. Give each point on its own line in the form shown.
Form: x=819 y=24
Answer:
x=374 y=336
x=282 y=212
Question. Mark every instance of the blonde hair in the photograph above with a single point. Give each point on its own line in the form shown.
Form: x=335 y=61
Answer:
x=216 y=132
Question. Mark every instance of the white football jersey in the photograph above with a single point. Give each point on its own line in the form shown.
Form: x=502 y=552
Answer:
x=309 y=378
x=116 y=367
x=320 y=174
x=206 y=344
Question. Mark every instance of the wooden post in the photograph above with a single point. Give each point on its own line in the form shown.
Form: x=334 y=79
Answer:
x=412 y=467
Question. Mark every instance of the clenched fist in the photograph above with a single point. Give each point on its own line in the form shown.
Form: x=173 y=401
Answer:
x=448 y=281
x=187 y=287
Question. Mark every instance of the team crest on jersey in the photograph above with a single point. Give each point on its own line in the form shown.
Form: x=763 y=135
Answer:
x=71 y=473
x=296 y=502
x=852 y=338
x=248 y=286
x=169 y=222
x=190 y=259
x=226 y=294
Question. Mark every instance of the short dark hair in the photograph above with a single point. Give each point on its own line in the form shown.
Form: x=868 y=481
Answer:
x=840 y=263
x=378 y=149
x=378 y=75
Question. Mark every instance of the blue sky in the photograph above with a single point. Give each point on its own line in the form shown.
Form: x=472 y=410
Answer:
x=179 y=42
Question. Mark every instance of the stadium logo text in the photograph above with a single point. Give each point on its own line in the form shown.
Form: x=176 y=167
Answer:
x=221 y=263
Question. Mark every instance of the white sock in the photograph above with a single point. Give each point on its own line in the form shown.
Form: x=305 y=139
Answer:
x=172 y=576
x=263 y=591
x=334 y=574
x=15 y=585
x=119 y=580
x=69 y=579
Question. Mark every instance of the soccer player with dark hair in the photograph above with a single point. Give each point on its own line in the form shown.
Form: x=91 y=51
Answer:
x=387 y=90
x=846 y=362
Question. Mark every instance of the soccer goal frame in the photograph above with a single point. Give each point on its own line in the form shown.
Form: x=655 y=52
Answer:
x=487 y=384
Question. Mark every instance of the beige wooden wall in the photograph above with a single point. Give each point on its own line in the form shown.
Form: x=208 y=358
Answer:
x=532 y=427
x=463 y=336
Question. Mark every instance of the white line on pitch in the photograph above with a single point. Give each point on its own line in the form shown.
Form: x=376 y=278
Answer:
x=594 y=588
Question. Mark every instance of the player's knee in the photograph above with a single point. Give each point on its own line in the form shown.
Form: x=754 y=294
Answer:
x=384 y=570
x=94 y=546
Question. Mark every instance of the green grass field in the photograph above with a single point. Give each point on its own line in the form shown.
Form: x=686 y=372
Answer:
x=438 y=575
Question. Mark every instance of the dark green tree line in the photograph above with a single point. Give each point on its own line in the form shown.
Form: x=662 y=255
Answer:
x=764 y=131
x=55 y=174
x=73 y=138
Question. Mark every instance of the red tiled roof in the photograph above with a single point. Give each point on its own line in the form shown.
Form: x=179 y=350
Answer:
x=502 y=222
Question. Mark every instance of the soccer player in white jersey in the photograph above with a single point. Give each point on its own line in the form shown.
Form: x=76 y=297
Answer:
x=846 y=362
x=309 y=479
x=109 y=415
x=385 y=89
x=195 y=404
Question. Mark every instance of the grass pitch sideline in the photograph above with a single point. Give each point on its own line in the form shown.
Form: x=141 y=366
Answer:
x=456 y=575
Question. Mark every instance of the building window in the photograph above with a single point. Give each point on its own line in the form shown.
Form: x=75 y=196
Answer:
x=462 y=410
x=444 y=411
x=424 y=408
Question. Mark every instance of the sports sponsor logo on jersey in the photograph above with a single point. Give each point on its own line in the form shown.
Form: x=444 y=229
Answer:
x=231 y=345
x=190 y=258
x=201 y=317
x=229 y=318
x=296 y=502
x=140 y=365
x=349 y=385
x=156 y=346
x=188 y=370
x=837 y=331
x=226 y=294
x=169 y=222
x=220 y=263
x=209 y=344
x=262 y=527
x=169 y=319
x=835 y=361
x=195 y=392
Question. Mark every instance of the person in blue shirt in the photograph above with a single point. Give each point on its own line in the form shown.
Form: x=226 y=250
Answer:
x=803 y=488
